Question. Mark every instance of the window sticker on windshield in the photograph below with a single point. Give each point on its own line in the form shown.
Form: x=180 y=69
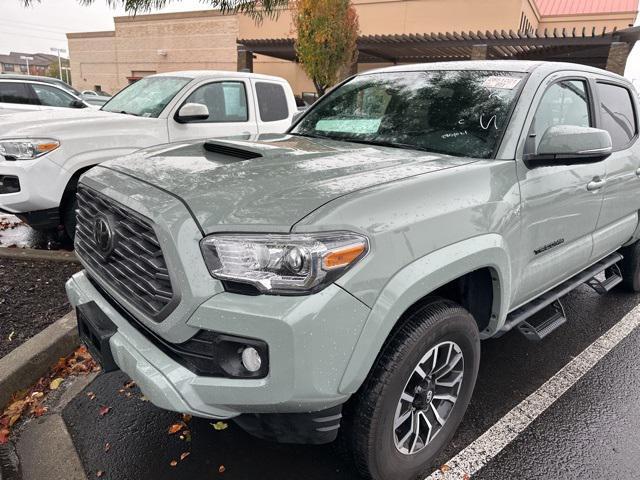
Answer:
x=507 y=83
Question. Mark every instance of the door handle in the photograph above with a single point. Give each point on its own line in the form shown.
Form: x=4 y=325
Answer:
x=595 y=185
x=638 y=172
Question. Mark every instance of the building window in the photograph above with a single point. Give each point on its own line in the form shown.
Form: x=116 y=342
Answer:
x=8 y=67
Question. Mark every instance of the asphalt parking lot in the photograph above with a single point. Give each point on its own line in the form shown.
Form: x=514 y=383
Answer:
x=592 y=431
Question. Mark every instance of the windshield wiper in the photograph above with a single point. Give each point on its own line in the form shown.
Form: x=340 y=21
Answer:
x=381 y=143
x=128 y=113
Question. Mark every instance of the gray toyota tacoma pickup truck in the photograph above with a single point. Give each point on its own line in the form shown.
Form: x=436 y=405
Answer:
x=336 y=281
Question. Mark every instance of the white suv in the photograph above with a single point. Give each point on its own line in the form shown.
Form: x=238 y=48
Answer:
x=42 y=154
x=30 y=95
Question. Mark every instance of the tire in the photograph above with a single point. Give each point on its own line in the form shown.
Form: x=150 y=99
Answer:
x=69 y=220
x=368 y=432
x=630 y=267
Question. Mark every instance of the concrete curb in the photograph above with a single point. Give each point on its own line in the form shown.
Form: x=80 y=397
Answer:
x=33 y=254
x=22 y=367
x=44 y=447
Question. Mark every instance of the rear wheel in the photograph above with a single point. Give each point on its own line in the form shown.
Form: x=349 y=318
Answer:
x=630 y=267
x=416 y=395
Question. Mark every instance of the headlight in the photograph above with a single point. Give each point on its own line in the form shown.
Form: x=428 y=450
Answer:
x=27 y=148
x=284 y=264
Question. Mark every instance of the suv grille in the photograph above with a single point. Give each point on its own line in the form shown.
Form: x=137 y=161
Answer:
x=134 y=265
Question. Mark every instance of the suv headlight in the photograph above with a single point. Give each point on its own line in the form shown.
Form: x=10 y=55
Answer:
x=283 y=264
x=27 y=148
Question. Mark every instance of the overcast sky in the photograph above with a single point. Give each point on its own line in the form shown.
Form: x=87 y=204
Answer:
x=40 y=27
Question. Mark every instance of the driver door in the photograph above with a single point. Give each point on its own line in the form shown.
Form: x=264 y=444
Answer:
x=560 y=204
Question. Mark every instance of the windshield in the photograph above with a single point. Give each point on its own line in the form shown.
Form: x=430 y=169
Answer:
x=461 y=113
x=147 y=97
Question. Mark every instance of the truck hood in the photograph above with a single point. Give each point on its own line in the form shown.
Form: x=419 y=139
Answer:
x=57 y=123
x=287 y=178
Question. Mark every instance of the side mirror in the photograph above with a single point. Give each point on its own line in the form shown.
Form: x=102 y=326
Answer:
x=569 y=145
x=78 y=104
x=191 y=112
x=296 y=116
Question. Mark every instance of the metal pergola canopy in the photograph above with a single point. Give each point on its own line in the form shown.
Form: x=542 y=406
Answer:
x=586 y=47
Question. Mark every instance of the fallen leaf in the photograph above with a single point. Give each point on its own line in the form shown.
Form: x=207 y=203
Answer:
x=91 y=395
x=39 y=411
x=184 y=455
x=143 y=398
x=107 y=447
x=99 y=473
x=37 y=395
x=221 y=469
x=186 y=418
x=445 y=468
x=104 y=410
x=4 y=436
x=56 y=383
x=11 y=335
x=173 y=463
x=130 y=384
x=13 y=419
x=187 y=436
x=175 y=428
x=220 y=425
x=466 y=477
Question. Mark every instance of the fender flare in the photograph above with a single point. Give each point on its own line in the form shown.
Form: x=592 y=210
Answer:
x=83 y=161
x=417 y=280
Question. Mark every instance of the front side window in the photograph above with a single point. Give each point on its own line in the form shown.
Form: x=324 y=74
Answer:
x=563 y=103
x=616 y=110
x=461 y=113
x=226 y=101
x=272 y=102
x=52 y=97
x=11 y=92
x=147 y=97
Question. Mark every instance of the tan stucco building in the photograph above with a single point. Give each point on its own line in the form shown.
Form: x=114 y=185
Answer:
x=147 y=44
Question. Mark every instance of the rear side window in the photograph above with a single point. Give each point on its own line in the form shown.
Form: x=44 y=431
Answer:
x=272 y=102
x=14 y=93
x=616 y=110
x=226 y=101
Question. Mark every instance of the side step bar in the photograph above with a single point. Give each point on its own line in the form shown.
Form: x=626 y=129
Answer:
x=537 y=330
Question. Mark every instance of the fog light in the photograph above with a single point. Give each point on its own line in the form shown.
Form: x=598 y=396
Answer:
x=251 y=359
x=9 y=184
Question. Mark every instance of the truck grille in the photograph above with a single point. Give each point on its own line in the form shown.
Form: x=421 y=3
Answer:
x=134 y=265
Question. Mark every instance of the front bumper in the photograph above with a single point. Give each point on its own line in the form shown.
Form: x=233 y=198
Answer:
x=42 y=183
x=310 y=341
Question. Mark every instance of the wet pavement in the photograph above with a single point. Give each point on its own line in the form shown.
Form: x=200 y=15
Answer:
x=593 y=431
x=564 y=439
x=16 y=234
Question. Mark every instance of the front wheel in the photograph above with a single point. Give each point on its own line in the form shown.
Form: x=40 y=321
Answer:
x=416 y=394
x=69 y=220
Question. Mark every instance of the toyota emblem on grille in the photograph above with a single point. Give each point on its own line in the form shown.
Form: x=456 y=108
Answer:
x=103 y=235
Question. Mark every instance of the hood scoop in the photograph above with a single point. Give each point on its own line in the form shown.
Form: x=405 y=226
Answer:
x=230 y=151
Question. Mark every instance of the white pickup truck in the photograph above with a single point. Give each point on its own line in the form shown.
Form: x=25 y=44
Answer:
x=42 y=154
